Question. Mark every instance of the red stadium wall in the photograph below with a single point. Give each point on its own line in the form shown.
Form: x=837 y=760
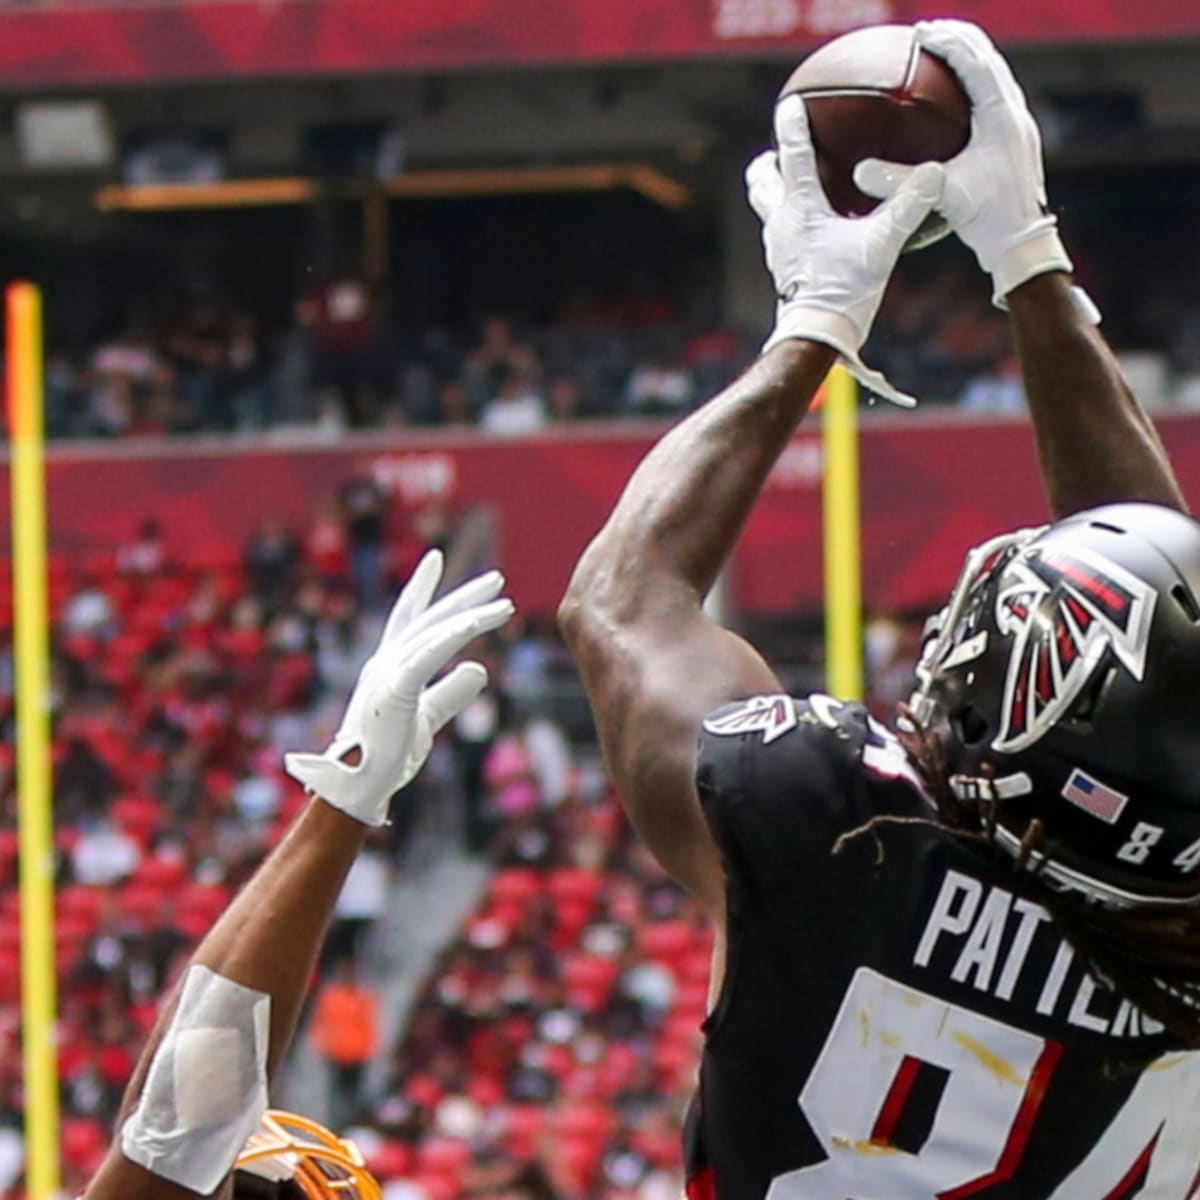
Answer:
x=189 y=39
x=930 y=489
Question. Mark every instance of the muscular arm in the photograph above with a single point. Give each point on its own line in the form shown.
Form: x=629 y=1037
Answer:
x=268 y=940
x=653 y=664
x=1095 y=442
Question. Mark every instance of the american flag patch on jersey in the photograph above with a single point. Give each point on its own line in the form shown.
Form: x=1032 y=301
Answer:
x=1093 y=797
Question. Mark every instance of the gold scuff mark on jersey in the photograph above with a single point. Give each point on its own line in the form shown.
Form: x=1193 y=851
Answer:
x=864 y=1019
x=863 y=1146
x=893 y=1041
x=1166 y=1062
x=1002 y=1070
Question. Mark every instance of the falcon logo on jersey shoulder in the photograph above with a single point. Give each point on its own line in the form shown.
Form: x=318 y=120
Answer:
x=773 y=716
x=1064 y=612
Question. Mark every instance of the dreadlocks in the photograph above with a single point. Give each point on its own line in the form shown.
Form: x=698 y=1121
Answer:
x=1150 y=954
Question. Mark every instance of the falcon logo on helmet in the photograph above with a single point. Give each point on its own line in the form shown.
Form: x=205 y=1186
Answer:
x=1064 y=612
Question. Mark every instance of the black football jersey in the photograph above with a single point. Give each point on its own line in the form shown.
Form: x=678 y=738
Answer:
x=900 y=1018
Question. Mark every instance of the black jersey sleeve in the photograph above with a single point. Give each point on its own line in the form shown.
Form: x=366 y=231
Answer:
x=781 y=779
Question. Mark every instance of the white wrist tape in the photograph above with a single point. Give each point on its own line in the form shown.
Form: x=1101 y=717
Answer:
x=1035 y=252
x=206 y=1089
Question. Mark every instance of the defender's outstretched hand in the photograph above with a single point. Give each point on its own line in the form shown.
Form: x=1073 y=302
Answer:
x=995 y=194
x=830 y=271
x=394 y=712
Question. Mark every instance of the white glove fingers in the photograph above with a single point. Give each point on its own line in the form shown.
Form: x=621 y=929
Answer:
x=764 y=185
x=880 y=179
x=476 y=591
x=797 y=158
x=444 y=700
x=420 y=662
x=910 y=203
x=417 y=593
x=969 y=52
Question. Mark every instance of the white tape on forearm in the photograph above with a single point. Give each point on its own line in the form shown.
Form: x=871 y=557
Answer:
x=206 y=1088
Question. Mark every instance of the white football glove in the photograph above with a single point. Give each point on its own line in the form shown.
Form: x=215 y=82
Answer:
x=830 y=272
x=394 y=711
x=995 y=195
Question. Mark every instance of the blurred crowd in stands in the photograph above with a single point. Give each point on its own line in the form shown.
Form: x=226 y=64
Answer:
x=341 y=365
x=559 y=1037
x=175 y=685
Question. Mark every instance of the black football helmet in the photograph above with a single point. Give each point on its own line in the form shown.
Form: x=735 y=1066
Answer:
x=1063 y=679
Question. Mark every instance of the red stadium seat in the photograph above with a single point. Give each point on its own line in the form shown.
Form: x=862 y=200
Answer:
x=84 y=1142
x=82 y=903
x=523 y=1125
x=574 y=884
x=589 y=980
x=138 y=816
x=579 y=1159
x=515 y=884
x=442 y=1155
x=391 y=1160
x=668 y=942
x=587 y=1121
x=194 y=923
x=570 y=918
x=143 y=905
x=205 y=899
x=160 y=871
x=10 y=974
x=10 y=932
x=439 y=1186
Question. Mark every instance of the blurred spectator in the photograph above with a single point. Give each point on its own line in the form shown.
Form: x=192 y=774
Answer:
x=364 y=514
x=145 y=554
x=272 y=558
x=497 y=355
x=454 y=407
x=661 y=387
x=566 y=399
x=89 y=611
x=12 y=1156
x=345 y=335
x=997 y=390
x=345 y=1031
x=103 y=855
x=360 y=902
x=120 y=373
x=516 y=409
x=327 y=546
x=475 y=729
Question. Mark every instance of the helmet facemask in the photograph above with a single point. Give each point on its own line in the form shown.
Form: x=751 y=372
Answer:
x=323 y=1166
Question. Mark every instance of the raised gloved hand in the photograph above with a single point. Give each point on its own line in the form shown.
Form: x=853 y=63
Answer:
x=830 y=271
x=995 y=194
x=394 y=712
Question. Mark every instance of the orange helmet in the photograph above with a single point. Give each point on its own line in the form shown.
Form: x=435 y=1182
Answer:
x=323 y=1165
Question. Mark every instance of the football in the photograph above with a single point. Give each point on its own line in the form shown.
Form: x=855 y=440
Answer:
x=875 y=93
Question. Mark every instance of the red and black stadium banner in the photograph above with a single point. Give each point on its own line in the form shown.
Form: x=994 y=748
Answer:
x=932 y=487
x=66 y=42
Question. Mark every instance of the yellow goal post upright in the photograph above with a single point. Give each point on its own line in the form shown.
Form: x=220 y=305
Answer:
x=842 y=537
x=26 y=424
